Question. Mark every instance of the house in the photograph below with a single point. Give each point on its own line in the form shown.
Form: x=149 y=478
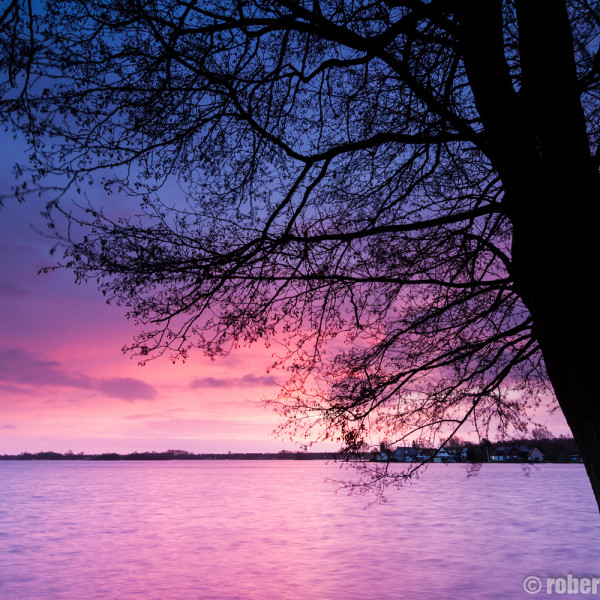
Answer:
x=382 y=456
x=422 y=455
x=535 y=456
x=516 y=453
x=404 y=454
x=500 y=454
x=412 y=454
x=508 y=454
x=442 y=455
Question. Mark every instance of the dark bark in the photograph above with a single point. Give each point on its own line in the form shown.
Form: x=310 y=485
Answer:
x=539 y=145
x=566 y=324
x=556 y=244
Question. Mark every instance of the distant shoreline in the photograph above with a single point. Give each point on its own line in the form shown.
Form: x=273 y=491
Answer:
x=182 y=455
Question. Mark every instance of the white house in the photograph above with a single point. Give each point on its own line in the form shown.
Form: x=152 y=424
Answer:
x=442 y=456
x=535 y=456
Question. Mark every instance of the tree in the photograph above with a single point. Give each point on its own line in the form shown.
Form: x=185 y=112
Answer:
x=541 y=433
x=402 y=192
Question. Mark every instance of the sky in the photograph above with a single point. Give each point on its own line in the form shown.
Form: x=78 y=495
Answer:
x=66 y=385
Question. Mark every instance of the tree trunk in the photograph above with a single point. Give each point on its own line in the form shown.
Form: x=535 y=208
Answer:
x=555 y=253
x=538 y=144
x=565 y=316
x=554 y=265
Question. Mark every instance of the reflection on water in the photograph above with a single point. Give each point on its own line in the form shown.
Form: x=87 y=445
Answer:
x=277 y=530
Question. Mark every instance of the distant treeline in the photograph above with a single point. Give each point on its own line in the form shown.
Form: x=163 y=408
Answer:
x=176 y=455
x=554 y=449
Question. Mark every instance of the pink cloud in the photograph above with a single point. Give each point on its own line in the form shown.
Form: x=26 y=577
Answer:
x=31 y=370
x=126 y=388
x=248 y=380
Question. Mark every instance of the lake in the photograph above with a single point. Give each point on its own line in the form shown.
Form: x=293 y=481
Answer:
x=278 y=530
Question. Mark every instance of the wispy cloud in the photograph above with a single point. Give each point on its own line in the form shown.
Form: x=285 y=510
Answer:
x=31 y=370
x=126 y=388
x=7 y=427
x=209 y=428
x=9 y=290
x=142 y=416
x=248 y=380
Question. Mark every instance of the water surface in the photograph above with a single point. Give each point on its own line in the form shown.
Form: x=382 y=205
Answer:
x=255 y=530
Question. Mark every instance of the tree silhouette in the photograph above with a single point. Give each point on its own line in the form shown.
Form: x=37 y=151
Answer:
x=402 y=193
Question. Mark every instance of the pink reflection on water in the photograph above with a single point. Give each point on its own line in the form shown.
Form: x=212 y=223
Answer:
x=254 y=530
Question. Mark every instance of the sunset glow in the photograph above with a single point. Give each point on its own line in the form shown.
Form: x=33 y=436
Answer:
x=65 y=384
